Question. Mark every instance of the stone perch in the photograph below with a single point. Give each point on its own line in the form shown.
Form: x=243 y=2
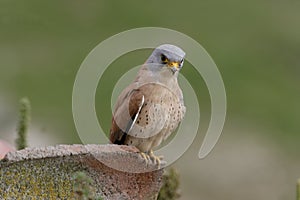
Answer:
x=118 y=172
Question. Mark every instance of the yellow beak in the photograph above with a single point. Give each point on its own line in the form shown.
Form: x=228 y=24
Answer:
x=173 y=64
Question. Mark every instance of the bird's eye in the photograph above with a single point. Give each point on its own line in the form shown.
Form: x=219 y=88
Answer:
x=181 y=61
x=164 y=59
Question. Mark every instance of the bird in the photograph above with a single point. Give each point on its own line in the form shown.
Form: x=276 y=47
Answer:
x=150 y=109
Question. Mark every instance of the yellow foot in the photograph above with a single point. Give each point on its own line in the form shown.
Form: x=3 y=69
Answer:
x=156 y=159
x=146 y=157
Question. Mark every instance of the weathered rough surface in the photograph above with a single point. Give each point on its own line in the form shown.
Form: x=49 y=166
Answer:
x=119 y=172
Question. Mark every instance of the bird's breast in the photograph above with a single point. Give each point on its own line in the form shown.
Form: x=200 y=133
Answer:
x=160 y=115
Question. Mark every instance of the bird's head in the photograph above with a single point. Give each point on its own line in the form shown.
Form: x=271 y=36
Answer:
x=168 y=57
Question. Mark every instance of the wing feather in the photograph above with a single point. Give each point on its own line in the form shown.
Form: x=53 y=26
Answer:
x=128 y=107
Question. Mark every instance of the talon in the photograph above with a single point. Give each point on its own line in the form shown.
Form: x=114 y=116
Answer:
x=146 y=157
x=156 y=159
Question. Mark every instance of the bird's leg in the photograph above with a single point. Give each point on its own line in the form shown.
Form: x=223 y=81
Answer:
x=156 y=159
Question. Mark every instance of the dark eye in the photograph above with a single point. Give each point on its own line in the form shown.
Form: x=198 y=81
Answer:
x=164 y=59
x=181 y=61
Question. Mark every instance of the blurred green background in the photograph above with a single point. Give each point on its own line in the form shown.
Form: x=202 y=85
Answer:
x=255 y=44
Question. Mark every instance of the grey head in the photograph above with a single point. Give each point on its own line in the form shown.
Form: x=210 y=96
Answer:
x=166 y=56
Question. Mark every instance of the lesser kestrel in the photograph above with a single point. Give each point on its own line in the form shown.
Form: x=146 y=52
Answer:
x=151 y=107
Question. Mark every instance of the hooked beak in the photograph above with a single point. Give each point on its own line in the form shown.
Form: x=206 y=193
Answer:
x=174 y=66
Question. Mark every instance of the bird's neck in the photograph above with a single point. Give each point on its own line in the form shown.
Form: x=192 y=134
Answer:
x=162 y=76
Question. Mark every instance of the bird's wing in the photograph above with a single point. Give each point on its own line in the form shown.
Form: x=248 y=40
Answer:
x=128 y=107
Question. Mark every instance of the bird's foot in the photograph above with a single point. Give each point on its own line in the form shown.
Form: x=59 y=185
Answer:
x=155 y=159
x=146 y=157
x=150 y=157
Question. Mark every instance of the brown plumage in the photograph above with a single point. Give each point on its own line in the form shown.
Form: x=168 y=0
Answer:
x=150 y=108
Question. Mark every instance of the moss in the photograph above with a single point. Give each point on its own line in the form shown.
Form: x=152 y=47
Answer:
x=23 y=123
x=298 y=189
x=83 y=187
x=36 y=179
x=170 y=187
